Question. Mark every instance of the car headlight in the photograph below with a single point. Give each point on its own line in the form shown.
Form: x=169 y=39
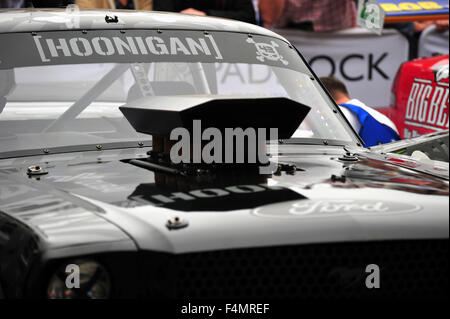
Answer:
x=83 y=279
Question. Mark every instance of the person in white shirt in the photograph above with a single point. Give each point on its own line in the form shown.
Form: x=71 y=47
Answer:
x=372 y=126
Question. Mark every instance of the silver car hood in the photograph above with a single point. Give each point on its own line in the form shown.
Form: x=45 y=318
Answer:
x=102 y=199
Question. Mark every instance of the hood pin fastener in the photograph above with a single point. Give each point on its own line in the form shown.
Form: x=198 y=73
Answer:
x=348 y=157
x=176 y=223
x=111 y=19
x=36 y=171
x=341 y=179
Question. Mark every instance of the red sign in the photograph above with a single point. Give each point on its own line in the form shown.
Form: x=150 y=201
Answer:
x=420 y=103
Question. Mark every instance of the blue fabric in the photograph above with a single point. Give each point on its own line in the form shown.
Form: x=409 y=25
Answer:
x=372 y=132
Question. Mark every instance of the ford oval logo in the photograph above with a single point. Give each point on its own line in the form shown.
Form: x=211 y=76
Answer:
x=334 y=208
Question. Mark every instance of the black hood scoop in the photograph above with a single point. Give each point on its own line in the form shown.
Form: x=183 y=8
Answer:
x=199 y=186
x=158 y=116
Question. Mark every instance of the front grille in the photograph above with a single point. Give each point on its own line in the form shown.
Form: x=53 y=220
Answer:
x=408 y=269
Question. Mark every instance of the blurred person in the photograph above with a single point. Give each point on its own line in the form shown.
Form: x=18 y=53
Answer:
x=257 y=13
x=116 y=4
x=35 y=3
x=441 y=25
x=51 y=3
x=413 y=30
x=14 y=4
x=270 y=11
x=309 y=15
x=372 y=126
x=241 y=10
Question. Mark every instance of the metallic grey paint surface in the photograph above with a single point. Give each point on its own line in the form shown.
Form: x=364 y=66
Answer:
x=434 y=145
x=61 y=219
x=95 y=197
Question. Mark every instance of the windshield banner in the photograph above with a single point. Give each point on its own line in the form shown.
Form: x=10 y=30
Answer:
x=134 y=46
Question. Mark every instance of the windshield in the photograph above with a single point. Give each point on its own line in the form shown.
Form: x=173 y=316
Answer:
x=67 y=90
